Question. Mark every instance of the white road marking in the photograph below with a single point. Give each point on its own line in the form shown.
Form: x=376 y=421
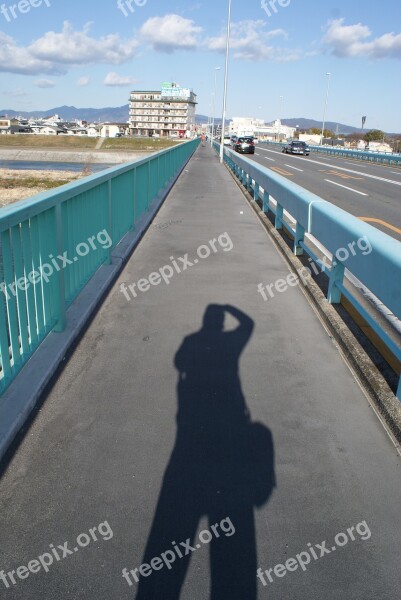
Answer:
x=316 y=162
x=357 y=164
x=396 y=172
x=346 y=188
x=272 y=151
x=272 y=159
x=351 y=171
x=291 y=167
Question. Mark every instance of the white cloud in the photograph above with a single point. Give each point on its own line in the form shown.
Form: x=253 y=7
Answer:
x=170 y=33
x=352 y=41
x=82 y=81
x=77 y=47
x=54 y=52
x=250 y=41
x=14 y=59
x=114 y=79
x=44 y=83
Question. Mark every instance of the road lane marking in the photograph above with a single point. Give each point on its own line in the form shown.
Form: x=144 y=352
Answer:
x=396 y=172
x=351 y=171
x=291 y=167
x=281 y=171
x=316 y=162
x=345 y=187
x=342 y=175
x=272 y=151
x=272 y=159
x=357 y=164
x=380 y=222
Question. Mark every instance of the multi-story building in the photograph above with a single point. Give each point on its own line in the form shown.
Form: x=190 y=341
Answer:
x=257 y=127
x=167 y=112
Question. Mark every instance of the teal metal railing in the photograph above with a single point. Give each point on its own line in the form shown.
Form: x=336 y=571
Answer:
x=379 y=270
x=54 y=242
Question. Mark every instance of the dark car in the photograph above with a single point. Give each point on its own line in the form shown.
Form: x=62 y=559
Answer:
x=295 y=147
x=246 y=145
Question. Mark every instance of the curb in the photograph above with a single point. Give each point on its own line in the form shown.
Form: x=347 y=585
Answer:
x=23 y=394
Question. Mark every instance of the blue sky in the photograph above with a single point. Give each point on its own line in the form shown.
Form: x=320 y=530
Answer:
x=89 y=54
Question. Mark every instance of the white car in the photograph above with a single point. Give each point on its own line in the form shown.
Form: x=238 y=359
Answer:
x=227 y=140
x=255 y=140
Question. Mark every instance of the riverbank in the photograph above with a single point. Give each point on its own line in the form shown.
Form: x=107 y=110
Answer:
x=19 y=185
x=82 y=156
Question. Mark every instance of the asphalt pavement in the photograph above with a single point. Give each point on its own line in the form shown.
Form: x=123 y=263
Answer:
x=198 y=433
x=368 y=191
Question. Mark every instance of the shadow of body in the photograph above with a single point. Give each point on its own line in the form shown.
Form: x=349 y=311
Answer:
x=222 y=465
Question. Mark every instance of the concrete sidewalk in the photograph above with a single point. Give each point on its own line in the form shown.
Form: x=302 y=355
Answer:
x=149 y=428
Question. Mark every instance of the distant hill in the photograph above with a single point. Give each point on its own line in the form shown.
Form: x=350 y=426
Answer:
x=310 y=123
x=118 y=114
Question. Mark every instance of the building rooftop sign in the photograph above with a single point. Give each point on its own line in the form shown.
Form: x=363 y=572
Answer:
x=172 y=90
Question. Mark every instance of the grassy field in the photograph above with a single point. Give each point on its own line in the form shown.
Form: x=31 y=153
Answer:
x=44 y=142
x=136 y=144
x=8 y=183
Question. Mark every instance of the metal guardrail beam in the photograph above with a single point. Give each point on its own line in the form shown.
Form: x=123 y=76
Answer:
x=379 y=270
x=53 y=243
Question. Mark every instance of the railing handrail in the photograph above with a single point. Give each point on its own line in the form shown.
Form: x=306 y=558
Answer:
x=379 y=270
x=53 y=243
x=19 y=211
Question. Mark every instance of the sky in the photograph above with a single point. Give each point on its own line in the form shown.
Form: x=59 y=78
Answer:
x=92 y=53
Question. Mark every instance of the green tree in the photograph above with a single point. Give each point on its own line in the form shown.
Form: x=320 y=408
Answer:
x=328 y=133
x=375 y=135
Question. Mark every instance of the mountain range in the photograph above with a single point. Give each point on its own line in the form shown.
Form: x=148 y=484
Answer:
x=120 y=114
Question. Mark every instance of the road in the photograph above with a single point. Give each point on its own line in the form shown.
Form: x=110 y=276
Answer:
x=368 y=191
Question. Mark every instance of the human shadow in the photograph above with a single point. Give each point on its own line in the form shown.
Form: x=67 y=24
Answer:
x=221 y=467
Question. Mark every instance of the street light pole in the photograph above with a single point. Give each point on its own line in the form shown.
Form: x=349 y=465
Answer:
x=225 y=82
x=281 y=114
x=214 y=102
x=325 y=107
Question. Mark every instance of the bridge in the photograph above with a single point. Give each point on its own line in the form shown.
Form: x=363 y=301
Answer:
x=186 y=411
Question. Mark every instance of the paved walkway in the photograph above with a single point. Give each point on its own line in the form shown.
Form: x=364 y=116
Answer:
x=190 y=455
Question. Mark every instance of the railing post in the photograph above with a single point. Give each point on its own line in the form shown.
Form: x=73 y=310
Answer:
x=256 y=192
x=249 y=183
x=60 y=293
x=266 y=198
x=336 y=276
x=278 y=223
x=299 y=237
x=109 y=221
x=148 y=190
